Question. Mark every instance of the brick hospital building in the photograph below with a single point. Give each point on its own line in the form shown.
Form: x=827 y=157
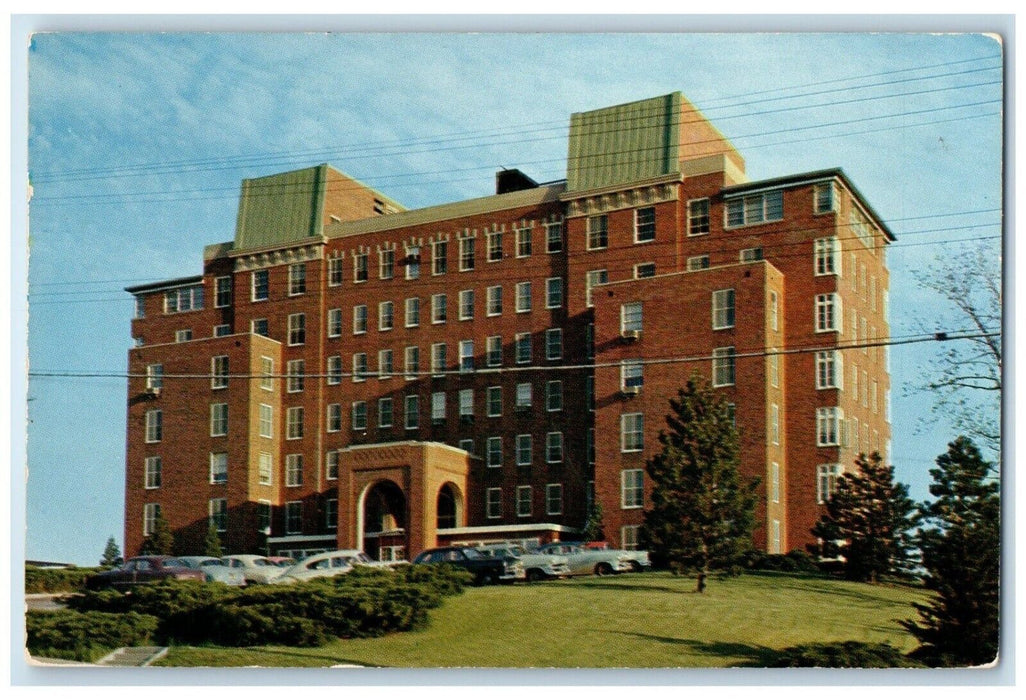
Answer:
x=346 y=373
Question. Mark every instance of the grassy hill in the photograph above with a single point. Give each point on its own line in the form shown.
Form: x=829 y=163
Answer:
x=651 y=620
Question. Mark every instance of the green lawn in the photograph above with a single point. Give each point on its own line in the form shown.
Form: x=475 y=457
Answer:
x=638 y=620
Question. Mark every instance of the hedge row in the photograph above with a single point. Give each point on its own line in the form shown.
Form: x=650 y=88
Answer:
x=366 y=602
x=85 y=636
x=39 y=580
x=851 y=654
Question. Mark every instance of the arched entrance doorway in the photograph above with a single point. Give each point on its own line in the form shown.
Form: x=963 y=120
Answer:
x=449 y=507
x=383 y=521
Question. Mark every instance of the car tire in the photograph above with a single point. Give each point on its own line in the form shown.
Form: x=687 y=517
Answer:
x=485 y=578
x=636 y=567
x=535 y=575
x=603 y=569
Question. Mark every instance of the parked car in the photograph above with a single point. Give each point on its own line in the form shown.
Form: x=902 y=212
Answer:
x=254 y=568
x=283 y=562
x=144 y=569
x=536 y=566
x=341 y=561
x=485 y=569
x=588 y=561
x=637 y=557
x=215 y=570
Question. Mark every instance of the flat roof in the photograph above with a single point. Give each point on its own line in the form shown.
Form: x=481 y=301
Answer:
x=164 y=284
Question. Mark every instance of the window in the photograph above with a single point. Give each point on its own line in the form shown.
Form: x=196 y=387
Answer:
x=698 y=217
x=359 y=267
x=218 y=419
x=773 y=360
x=439 y=257
x=183 y=299
x=386 y=264
x=183 y=336
x=774 y=490
x=333 y=422
x=591 y=280
x=466 y=254
x=632 y=376
x=258 y=326
x=632 y=426
x=413 y=312
x=413 y=262
x=466 y=355
x=297 y=279
x=828 y=426
x=554 y=395
x=553 y=292
x=294 y=423
x=140 y=307
x=856 y=445
x=412 y=406
x=294 y=470
x=755 y=209
x=524 y=501
x=222 y=292
x=439 y=308
x=467 y=305
x=334 y=272
x=219 y=513
x=494 y=401
x=723 y=366
x=493 y=350
x=222 y=329
x=494 y=451
x=698 y=262
x=297 y=329
x=494 y=242
x=597 y=232
x=723 y=309
x=589 y=391
x=829 y=369
x=385 y=412
x=629 y=537
x=335 y=369
x=751 y=255
x=385 y=364
x=151 y=513
x=554 y=344
x=554 y=237
x=386 y=315
x=826 y=481
x=331 y=514
x=632 y=488
x=644 y=225
x=293 y=517
x=359 y=417
x=523 y=301
x=630 y=317
x=438 y=359
x=554 y=447
x=265 y=468
x=466 y=397
x=218 y=467
x=260 y=285
x=295 y=371
x=826 y=256
x=493 y=297
x=774 y=427
x=644 y=270
x=860 y=226
x=553 y=499
x=151 y=472
x=154 y=376
x=523 y=450
x=412 y=361
x=264 y=516
x=828 y=313
x=825 y=198
x=774 y=313
x=589 y=341
x=523 y=241
x=522 y=342
x=266 y=421
x=493 y=503
x=523 y=395
x=865 y=388
x=873 y=398
x=154 y=425
x=360 y=367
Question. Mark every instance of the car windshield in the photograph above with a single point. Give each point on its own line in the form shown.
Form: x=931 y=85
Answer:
x=176 y=562
x=263 y=562
x=211 y=562
x=472 y=554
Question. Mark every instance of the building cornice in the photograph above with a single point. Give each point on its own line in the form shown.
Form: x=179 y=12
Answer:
x=635 y=194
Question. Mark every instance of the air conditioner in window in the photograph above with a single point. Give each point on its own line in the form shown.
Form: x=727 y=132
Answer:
x=632 y=334
x=153 y=391
x=631 y=390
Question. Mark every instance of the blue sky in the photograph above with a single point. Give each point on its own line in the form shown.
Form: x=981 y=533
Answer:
x=427 y=118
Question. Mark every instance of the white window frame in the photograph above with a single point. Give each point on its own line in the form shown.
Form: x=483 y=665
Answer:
x=412 y=309
x=644 y=271
x=632 y=432
x=523 y=241
x=361 y=271
x=554 y=293
x=439 y=263
x=265 y=468
x=333 y=418
x=632 y=489
x=592 y=279
x=359 y=319
x=523 y=450
x=151 y=512
x=358 y=419
x=632 y=374
x=386 y=412
x=412 y=262
x=334 y=323
x=335 y=271
x=386 y=316
x=293 y=470
x=297 y=279
x=826 y=257
x=818 y=198
x=217 y=514
x=294 y=418
x=493 y=300
x=493 y=452
x=525 y=498
x=829 y=426
x=467 y=253
x=724 y=369
x=493 y=503
x=553 y=344
x=641 y=226
x=826 y=481
x=334 y=367
x=754 y=209
x=724 y=310
x=360 y=371
x=439 y=359
x=154 y=429
x=774 y=485
x=774 y=424
x=411 y=361
x=411 y=412
x=522 y=341
x=219 y=372
x=493 y=351
x=699 y=218
x=265 y=421
x=493 y=401
x=218 y=468
x=553 y=237
x=524 y=395
x=293 y=517
x=632 y=316
x=553 y=499
x=439 y=308
x=493 y=244
x=218 y=419
x=297 y=329
x=466 y=305
x=829 y=369
x=386 y=264
x=260 y=285
x=466 y=350
x=829 y=313
x=554 y=395
x=222 y=292
x=523 y=298
x=295 y=373
x=553 y=447
x=597 y=232
x=466 y=403
x=152 y=472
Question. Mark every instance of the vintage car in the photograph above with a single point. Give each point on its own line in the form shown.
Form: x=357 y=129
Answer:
x=638 y=557
x=485 y=569
x=254 y=568
x=537 y=567
x=215 y=570
x=325 y=564
x=588 y=561
x=145 y=569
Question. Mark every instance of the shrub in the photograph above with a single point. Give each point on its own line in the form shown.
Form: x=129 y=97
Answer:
x=39 y=580
x=849 y=654
x=85 y=636
x=795 y=561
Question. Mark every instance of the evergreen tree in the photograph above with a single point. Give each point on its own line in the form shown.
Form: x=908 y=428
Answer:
x=702 y=515
x=867 y=521
x=961 y=545
x=592 y=530
x=212 y=544
x=111 y=554
x=161 y=540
